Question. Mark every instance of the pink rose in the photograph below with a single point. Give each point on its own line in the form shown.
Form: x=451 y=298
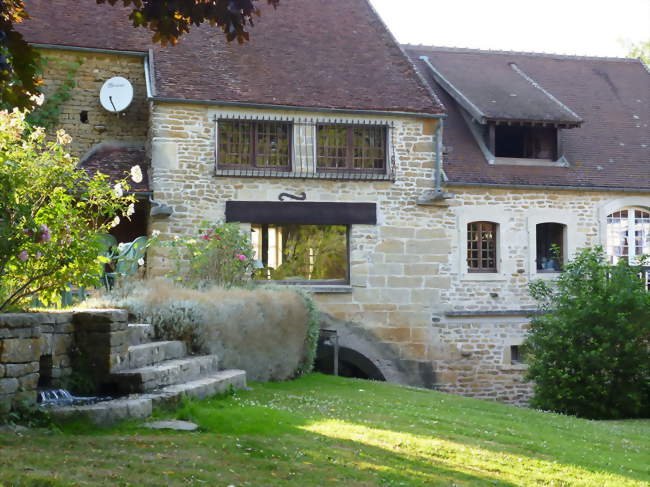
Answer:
x=23 y=256
x=241 y=257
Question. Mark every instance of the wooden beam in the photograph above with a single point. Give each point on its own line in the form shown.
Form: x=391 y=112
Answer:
x=304 y=213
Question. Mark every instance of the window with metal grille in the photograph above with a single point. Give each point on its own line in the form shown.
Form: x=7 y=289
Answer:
x=482 y=247
x=628 y=235
x=359 y=148
x=254 y=144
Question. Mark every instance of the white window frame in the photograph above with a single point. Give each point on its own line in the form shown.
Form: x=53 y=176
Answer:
x=494 y=214
x=629 y=203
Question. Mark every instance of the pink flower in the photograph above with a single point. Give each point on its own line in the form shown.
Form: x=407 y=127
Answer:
x=241 y=257
x=205 y=237
x=23 y=256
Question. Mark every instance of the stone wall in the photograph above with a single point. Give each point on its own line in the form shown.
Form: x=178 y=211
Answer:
x=43 y=346
x=394 y=285
x=93 y=70
x=409 y=286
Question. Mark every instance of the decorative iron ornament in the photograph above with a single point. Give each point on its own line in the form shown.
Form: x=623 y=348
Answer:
x=301 y=197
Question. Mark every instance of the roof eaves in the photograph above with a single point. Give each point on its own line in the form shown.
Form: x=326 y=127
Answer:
x=454 y=92
x=577 y=118
x=302 y=108
x=471 y=50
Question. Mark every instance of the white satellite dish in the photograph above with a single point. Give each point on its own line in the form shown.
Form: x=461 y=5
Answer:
x=116 y=94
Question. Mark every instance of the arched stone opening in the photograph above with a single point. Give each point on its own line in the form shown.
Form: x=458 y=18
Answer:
x=351 y=363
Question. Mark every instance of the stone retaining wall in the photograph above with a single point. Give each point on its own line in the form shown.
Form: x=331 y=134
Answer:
x=42 y=346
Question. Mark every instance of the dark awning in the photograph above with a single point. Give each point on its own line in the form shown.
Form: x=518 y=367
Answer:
x=305 y=213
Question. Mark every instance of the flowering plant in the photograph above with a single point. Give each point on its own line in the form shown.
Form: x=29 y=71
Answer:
x=219 y=255
x=50 y=213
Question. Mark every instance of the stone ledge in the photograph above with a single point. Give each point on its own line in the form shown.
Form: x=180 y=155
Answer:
x=505 y=312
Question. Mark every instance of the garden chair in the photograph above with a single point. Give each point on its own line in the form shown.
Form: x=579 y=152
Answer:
x=127 y=260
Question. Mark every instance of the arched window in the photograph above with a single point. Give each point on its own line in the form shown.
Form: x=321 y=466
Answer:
x=482 y=247
x=550 y=238
x=628 y=234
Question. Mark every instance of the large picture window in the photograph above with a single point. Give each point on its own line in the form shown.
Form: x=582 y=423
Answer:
x=482 y=247
x=353 y=148
x=292 y=252
x=254 y=144
x=628 y=234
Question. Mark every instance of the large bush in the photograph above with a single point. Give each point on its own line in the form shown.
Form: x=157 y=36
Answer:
x=50 y=213
x=271 y=333
x=589 y=350
x=219 y=255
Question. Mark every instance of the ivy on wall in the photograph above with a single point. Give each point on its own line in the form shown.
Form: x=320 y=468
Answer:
x=47 y=115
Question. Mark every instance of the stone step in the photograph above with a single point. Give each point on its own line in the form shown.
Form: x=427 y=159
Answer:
x=208 y=386
x=140 y=406
x=140 y=333
x=154 y=353
x=167 y=373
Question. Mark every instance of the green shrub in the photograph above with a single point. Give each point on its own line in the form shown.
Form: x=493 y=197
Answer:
x=220 y=255
x=50 y=213
x=589 y=350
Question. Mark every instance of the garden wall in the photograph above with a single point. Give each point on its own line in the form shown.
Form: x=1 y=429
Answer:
x=39 y=349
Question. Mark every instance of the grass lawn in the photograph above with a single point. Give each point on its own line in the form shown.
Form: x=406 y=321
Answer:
x=328 y=431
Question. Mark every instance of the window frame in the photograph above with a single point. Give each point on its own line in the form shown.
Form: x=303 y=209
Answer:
x=253 y=155
x=563 y=248
x=349 y=167
x=322 y=282
x=495 y=231
x=631 y=222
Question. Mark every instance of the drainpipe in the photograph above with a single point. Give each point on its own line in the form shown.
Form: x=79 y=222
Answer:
x=437 y=196
x=438 y=182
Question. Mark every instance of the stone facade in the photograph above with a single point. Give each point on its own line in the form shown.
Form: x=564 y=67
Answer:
x=42 y=346
x=409 y=286
x=90 y=71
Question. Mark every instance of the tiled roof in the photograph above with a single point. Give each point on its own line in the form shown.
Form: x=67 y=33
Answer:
x=116 y=160
x=307 y=53
x=611 y=149
x=502 y=91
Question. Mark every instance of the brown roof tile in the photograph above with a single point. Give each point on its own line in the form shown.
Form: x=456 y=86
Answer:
x=611 y=149
x=307 y=53
x=116 y=160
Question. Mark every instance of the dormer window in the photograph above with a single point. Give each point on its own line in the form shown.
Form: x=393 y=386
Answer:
x=525 y=142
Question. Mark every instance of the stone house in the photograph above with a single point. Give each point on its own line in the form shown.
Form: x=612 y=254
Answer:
x=414 y=190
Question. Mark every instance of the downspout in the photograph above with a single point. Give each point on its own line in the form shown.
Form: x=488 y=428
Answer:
x=438 y=174
x=437 y=196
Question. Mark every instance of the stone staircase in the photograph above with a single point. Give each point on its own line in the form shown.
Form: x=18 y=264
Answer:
x=155 y=374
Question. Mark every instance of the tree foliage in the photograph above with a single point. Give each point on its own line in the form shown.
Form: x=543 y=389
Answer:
x=50 y=214
x=641 y=50
x=168 y=20
x=589 y=350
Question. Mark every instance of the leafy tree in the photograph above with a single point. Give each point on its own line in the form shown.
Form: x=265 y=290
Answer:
x=641 y=50
x=50 y=214
x=168 y=20
x=589 y=349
